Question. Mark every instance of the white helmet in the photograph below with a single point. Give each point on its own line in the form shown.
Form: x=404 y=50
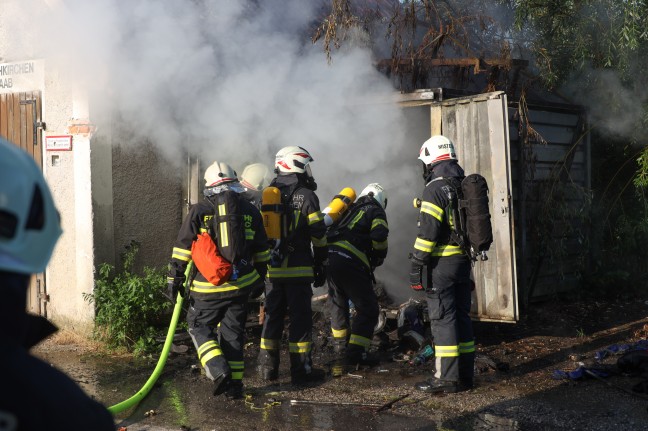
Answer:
x=219 y=173
x=437 y=149
x=377 y=192
x=256 y=176
x=29 y=222
x=293 y=160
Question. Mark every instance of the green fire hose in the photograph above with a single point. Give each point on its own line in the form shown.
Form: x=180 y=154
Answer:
x=135 y=399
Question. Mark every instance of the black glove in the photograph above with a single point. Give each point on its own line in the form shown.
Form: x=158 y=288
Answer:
x=416 y=276
x=375 y=262
x=175 y=285
x=320 y=254
x=257 y=289
x=320 y=274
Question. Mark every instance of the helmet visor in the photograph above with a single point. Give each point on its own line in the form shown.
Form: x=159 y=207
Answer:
x=307 y=171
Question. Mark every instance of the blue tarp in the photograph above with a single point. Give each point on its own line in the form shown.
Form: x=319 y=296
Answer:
x=578 y=373
x=616 y=349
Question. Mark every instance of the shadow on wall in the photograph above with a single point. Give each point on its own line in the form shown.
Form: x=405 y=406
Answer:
x=147 y=203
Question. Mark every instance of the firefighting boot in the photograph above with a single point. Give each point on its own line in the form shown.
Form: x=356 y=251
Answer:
x=339 y=361
x=300 y=378
x=221 y=383
x=357 y=356
x=466 y=370
x=268 y=364
x=339 y=346
x=234 y=390
x=301 y=372
x=437 y=386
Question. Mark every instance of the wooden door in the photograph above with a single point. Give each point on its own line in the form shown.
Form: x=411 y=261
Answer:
x=20 y=123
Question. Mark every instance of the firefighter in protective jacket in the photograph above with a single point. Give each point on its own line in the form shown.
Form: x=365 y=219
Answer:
x=217 y=313
x=357 y=245
x=448 y=289
x=293 y=268
x=34 y=395
x=255 y=177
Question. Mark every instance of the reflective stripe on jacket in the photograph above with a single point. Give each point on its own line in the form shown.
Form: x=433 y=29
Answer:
x=306 y=227
x=365 y=235
x=251 y=270
x=433 y=239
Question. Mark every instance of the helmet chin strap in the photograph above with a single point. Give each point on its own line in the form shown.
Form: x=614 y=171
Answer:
x=303 y=178
x=427 y=170
x=307 y=181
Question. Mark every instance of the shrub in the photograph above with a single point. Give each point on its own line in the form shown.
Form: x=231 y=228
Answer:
x=129 y=305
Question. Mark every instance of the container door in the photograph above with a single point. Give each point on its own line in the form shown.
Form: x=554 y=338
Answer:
x=478 y=125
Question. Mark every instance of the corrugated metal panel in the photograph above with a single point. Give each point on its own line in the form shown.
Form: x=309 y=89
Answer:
x=561 y=163
x=485 y=131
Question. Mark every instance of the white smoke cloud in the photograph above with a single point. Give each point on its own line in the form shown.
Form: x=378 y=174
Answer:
x=235 y=81
x=614 y=107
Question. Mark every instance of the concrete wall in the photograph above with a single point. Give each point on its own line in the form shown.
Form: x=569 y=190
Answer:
x=107 y=194
x=148 y=201
x=70 y=273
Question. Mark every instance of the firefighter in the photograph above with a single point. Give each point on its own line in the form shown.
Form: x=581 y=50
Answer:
x=448 y=289
x=221 y=306
x=34 y=395
x=293 y=268
x=255 y=178
x=357 y=245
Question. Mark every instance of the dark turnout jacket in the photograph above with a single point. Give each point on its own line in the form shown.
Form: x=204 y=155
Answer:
x=33 y=394
x=252 y=268
x=433 y=239
x=363 y=232
x=305 y=224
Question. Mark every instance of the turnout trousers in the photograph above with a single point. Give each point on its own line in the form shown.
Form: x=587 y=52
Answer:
x=448 y=300
x=294 y=300
x=218 y=331
x=351 y=280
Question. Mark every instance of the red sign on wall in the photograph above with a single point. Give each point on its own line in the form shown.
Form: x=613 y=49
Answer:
x=58 y=143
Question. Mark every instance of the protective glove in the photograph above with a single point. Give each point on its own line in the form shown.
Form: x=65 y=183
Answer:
x=257 y=289
x=375 y=262
x=175 y=285
x=320 y=271
x=416 y=277
x=320 y=254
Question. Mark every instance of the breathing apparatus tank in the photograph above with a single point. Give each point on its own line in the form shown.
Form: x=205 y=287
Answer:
x=271 y=210
x=338 y=205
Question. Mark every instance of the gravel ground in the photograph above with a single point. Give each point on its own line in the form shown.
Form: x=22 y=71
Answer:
x=514 y=389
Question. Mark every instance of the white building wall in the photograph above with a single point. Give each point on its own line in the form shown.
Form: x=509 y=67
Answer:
x=107 y=194
x=70 y=272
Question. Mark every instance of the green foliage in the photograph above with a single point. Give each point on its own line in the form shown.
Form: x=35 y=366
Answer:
x=641 y=180
x=570 y=35
x=595 y=52
x=129 y=305
x=620 y=221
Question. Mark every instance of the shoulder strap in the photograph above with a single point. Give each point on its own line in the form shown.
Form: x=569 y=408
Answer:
x=287 y=193
x=228 y=225
x=457 y=230
x=342 y=227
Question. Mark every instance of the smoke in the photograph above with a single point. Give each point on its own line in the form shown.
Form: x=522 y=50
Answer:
x=236 y=81
x=615 y=106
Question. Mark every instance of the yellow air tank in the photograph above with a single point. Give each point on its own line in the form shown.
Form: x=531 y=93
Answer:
x=338 y=205
x=271 y=212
